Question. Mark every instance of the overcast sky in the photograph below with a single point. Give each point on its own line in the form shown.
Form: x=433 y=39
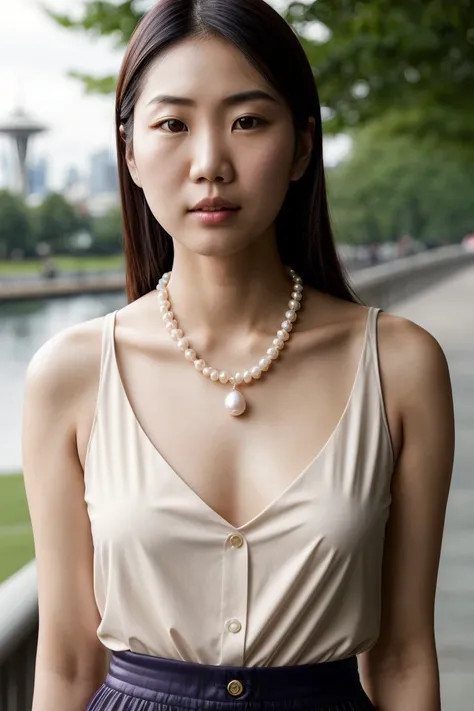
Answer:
x=35 y=56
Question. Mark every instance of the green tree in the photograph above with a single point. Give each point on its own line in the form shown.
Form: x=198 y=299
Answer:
x=101 y=18
x=410 y=61
x=107 y=233
x=16 y=234
x=389 y=188
x=56 y=221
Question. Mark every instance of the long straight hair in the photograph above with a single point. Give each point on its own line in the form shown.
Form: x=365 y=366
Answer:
x=303 y=228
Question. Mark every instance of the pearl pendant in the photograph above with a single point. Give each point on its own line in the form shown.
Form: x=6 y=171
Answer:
x=235 y=403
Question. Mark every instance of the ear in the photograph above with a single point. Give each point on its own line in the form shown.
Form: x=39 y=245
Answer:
x=130 y=158
x=304 y=150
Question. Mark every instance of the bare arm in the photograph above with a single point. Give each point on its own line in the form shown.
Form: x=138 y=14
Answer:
x=71 y=662
x=401 y=672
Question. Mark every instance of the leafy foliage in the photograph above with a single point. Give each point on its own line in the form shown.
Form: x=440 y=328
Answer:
x=15 y=227
x=389 y=188
x=411 y=61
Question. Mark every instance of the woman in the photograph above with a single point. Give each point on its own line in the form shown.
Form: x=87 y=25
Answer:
x=239 y=529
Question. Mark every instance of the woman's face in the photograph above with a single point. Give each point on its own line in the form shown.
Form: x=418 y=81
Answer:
x=208 y=125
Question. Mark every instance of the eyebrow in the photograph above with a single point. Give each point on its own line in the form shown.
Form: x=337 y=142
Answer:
x=233 y=100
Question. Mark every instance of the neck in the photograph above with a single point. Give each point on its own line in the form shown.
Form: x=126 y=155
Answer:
x=229 y=299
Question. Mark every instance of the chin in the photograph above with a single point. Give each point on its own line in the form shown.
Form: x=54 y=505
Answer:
x=216 y=244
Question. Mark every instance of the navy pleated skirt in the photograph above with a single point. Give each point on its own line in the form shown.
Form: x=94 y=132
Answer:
x=137 y=682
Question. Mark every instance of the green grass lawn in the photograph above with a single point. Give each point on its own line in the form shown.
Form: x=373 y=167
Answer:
x=69 y=263
x=16 y=538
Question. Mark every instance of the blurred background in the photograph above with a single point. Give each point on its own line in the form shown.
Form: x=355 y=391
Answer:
x=396 y=82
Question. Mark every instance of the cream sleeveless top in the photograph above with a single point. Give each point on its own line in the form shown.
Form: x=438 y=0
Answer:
x=300 y=583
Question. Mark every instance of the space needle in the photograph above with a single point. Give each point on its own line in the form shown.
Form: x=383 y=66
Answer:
x=20 y=127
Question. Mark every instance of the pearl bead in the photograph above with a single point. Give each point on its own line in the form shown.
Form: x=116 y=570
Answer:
x=177 y=334
x=273 y=353
x=224 y=377
x=278 y=343
x=162 y=296
x=247 y=376
x=298 y=288
x=256 y=373
x=291 y=315
x=207 y=371
x=296 y=296
x=166 y=304
x=238 y=378
x=183 y=344
x=214 y=375
x=287 y=326
x=294 y=305
x=264 y=363
x=168 y=316
x=173 y=324
x=200 y=365
x=189 y=354
x=163 y=309
x=298 y=280
x=283 y=335
x=235 y=403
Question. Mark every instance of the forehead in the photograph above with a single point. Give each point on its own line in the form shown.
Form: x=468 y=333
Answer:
x=202 y=68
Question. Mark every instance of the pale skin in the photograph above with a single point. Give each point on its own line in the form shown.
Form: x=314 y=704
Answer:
x=229 y=290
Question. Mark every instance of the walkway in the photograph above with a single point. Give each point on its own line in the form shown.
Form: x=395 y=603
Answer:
x=447 y=311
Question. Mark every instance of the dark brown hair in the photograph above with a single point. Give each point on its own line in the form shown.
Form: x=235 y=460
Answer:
x=303 y=229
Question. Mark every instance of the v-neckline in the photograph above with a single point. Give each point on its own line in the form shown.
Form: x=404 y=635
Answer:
x=188 y=488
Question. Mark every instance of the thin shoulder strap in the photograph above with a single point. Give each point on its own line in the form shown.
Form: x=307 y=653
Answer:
x=107 y=349
x=108 y=334
x=375 y=366
x=372 y=319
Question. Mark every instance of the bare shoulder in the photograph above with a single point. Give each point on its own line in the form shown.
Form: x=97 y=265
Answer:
x=411 y=357
x=67 y=362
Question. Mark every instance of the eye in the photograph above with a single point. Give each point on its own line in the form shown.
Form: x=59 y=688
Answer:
x=246 y=120
x=172 y=124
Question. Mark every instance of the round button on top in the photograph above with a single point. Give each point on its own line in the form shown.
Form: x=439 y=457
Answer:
x=235 y=687
x=236 y=541
x=234 y=626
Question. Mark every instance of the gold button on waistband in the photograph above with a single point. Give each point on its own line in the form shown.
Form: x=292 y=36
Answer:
x=234 y=626
x=235 y=688
x=236 y=541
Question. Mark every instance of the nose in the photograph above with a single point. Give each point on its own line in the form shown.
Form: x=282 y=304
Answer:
x=210 y=159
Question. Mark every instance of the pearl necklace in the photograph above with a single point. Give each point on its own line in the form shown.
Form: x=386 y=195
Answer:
x=235 y=402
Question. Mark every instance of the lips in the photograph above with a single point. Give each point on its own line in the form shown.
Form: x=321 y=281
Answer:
x=215 y=204
x=216 y=209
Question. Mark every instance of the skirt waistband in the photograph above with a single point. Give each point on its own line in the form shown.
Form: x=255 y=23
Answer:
x=156 y=679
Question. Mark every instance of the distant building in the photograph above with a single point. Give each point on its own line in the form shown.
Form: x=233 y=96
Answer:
x=4 y=171
x=19 y=127
x=37 y=178
x=103 y=174
x=72 y=179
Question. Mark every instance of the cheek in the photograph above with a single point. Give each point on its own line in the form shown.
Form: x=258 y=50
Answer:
x=269 y=164
x=161 y=175
x=265 y=172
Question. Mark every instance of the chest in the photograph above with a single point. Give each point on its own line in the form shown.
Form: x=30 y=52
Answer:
x=238 y=466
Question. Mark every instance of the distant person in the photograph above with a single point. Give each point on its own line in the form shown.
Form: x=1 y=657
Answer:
x=49 y=269
x=238 y=481
x=468 y=243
